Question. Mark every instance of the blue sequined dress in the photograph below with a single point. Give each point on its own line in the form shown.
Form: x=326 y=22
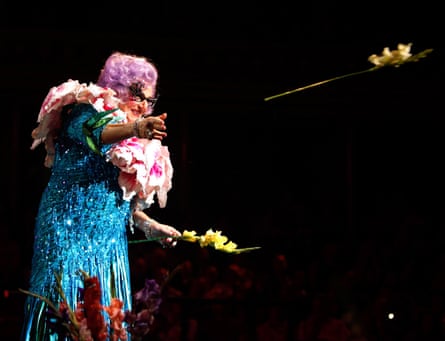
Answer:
x=81 y=225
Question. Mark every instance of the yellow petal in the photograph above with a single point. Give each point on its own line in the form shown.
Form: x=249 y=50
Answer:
x=229 y=247
x=189 y=236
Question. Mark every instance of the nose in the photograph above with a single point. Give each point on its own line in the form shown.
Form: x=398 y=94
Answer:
x=143 y=106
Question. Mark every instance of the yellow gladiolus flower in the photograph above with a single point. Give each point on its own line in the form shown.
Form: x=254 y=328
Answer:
x=393 y=58
x=214 y=239
x=211 y=238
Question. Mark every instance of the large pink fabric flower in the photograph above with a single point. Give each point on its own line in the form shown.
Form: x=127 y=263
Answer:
x=146 y=169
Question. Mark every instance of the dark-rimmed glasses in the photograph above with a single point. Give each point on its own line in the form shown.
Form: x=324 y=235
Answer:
x=138 y=95
x=150 y=100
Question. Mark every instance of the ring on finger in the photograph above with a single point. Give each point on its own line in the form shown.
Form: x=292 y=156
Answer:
x=149 y=134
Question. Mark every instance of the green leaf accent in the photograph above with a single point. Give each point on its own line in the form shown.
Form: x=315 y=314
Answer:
x=94 y=123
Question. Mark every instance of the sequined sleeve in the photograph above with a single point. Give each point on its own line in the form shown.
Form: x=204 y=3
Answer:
x=75 y=121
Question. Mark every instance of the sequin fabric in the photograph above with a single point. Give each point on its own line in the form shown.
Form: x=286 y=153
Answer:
x=81 y=225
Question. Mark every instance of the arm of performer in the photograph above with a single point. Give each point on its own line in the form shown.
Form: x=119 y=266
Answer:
x=150 y=127
x=155 y=229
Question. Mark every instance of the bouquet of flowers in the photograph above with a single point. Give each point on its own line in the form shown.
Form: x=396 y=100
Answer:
x=86 y=322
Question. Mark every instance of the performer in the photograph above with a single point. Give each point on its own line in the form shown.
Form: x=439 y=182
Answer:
x=108 y=165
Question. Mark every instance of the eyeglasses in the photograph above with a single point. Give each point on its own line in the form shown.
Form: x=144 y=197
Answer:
x=138 y=94
x=150 y=100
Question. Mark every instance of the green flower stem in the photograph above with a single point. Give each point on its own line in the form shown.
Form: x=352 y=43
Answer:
x=151 y=240
x=47 y=301
x=320 y=83
x=53 y=307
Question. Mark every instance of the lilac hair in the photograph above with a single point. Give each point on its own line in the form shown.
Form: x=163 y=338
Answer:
x=123 y=70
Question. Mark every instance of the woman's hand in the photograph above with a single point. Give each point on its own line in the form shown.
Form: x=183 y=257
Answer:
x=156 y=230
x=159 y=230
x=151 y=127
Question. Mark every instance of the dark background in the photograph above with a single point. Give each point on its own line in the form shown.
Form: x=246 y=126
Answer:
x=349 y=161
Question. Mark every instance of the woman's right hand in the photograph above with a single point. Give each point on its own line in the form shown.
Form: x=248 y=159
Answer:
x=151 y=127
x=145 y=127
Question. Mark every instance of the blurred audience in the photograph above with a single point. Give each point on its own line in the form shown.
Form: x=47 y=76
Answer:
x=355 y=289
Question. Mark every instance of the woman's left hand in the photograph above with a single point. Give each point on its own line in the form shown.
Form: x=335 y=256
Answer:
x=159 y=230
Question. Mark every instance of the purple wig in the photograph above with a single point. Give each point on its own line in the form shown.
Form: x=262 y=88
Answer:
x=124 y=70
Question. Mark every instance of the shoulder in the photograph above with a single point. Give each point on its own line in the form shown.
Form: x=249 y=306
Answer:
x=78 y=109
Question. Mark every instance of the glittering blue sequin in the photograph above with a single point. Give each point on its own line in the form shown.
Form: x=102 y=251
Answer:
x=81 y=225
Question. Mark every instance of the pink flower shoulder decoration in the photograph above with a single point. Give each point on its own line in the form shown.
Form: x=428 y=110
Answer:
x=67 y=93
